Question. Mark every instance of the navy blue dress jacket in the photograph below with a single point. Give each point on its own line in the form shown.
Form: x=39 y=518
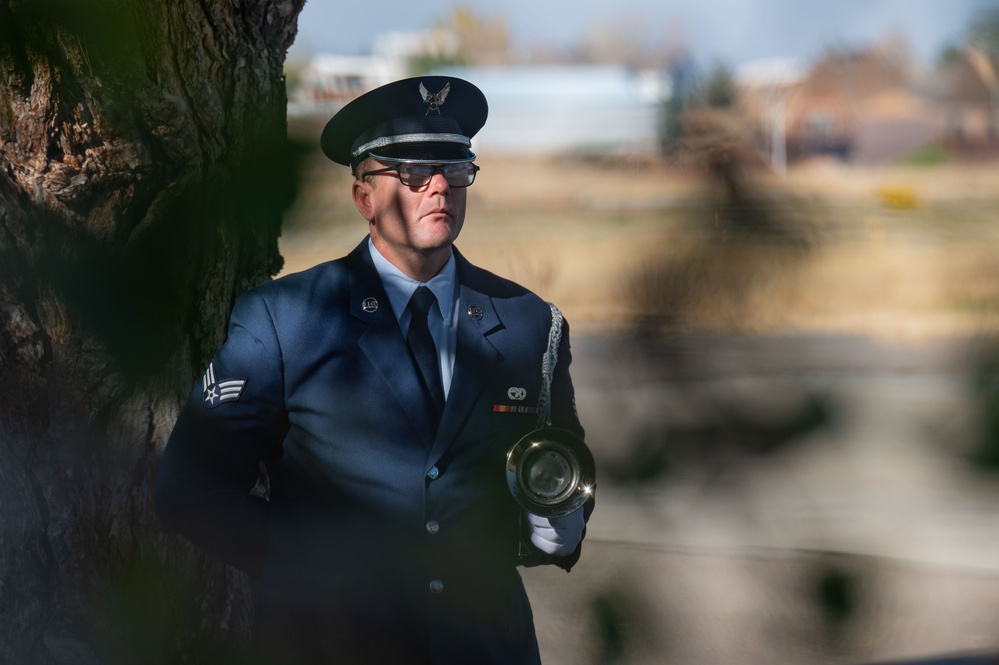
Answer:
x=381 y=540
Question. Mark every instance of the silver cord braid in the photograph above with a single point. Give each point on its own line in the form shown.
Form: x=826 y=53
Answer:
x=548 y=363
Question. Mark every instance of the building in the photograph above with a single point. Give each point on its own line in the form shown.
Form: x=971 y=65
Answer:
x=872 y=107
x=330 y=81
x=966 y=92
x=569 y=109
x=337 y=79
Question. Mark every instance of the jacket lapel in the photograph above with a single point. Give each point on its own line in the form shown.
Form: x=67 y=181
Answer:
x=382 y=343
x=475 y=357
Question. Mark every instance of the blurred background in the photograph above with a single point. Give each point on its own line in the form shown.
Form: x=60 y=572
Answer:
x=772 y=226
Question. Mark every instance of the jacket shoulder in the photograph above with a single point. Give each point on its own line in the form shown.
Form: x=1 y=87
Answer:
x=496 y=287
x=293 y=302
x=328 y=276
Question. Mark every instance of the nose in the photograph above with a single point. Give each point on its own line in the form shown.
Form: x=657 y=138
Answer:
x=438 y=183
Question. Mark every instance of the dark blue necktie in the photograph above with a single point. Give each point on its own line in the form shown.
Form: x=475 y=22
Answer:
x=421 y=345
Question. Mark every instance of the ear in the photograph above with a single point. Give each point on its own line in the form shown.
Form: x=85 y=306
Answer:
x=362 y=193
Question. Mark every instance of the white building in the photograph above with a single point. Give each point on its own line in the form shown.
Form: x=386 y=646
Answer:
x=340 y=78
x=591 y=109
x=582 y=109
x=330 y=81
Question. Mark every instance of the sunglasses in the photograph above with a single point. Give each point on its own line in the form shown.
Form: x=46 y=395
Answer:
x=461 y=174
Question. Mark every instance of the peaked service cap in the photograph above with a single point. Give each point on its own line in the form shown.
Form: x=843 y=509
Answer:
x=427 y=117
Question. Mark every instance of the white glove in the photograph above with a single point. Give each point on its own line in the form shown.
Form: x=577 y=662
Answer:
x=557 y=536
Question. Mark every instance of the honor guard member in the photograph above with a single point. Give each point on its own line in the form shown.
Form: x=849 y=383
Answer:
x=381 y=392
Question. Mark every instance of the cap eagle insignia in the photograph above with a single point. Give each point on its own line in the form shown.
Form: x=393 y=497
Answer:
x=434 y=102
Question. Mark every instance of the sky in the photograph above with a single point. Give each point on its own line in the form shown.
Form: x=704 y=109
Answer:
x=732 y=32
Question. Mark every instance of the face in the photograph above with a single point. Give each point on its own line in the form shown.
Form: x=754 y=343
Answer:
x=408 y=224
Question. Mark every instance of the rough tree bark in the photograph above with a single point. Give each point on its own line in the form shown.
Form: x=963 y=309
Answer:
x=143 y=172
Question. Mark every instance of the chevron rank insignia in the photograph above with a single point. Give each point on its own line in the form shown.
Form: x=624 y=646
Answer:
x=215 y=392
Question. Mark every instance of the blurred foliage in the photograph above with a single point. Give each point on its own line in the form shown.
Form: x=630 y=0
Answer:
x=684 y=83
x=986 y=389
x=931 y=155
x=984 y=31
x=842 y=589
x=741 y=239
x=836 y=594
x=720 y=91
x=735 y=430
x=624 y=623
x=610 y=623
x=482 y=40
x=293 y=75
x=147 y=609
x=425 y=63
x=950 y=54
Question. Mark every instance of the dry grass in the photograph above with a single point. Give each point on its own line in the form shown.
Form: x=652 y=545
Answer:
x=630 y=242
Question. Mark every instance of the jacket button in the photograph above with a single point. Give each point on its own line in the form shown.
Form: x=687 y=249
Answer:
x=436 y=586
x=433 y=473
x=433 y=527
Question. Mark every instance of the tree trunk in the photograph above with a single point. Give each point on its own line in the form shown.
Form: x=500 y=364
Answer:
x=143 y=172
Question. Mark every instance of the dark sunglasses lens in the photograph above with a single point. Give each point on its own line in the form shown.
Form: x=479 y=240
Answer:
x=418 y=175
x=415 y=175
x=459 y=175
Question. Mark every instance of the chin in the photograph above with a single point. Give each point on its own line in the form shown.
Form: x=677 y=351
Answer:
x=440 y=237
x=432 y=247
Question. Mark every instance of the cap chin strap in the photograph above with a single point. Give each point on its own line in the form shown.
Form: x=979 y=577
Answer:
x=407 y=160
x=425 y=137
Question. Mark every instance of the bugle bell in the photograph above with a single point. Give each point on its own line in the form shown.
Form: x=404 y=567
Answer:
x=550 y=472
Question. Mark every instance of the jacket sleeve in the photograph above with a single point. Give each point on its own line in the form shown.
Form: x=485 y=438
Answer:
x=233 y=420
x=563 y=415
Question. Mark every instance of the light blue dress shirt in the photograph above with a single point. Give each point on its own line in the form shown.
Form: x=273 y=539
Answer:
x=441 y=319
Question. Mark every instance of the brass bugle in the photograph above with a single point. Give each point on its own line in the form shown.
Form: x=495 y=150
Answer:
x=551 y=472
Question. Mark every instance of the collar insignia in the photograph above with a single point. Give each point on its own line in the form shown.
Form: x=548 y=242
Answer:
x=434 y=102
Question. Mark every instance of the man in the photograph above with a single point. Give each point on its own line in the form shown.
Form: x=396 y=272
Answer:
x=381 y=393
